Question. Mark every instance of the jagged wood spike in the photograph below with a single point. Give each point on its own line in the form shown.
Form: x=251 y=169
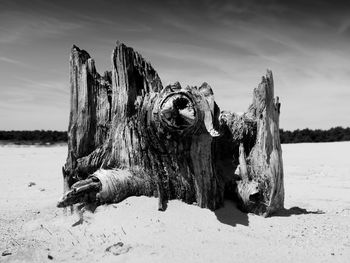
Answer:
x=263 y=191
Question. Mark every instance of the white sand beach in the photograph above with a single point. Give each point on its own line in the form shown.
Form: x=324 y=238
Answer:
x=313 y=228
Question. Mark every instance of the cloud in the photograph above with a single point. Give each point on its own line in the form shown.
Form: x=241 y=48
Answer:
x=27 y=92
x=344 y=27
x=21 y=27
x=12 y=61
x=229 y=44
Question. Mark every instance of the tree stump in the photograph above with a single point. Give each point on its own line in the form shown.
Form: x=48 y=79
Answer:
x=128 y=135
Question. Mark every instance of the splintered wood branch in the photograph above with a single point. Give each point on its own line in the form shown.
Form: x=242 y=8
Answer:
x=242 y=163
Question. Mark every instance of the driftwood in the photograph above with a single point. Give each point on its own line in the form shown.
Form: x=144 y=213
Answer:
x=129 y=135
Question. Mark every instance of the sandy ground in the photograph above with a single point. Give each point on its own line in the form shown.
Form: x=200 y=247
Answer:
x=314 y=228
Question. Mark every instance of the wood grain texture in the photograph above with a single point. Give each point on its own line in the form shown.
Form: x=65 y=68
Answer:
x=136 y=137
x=260 y=188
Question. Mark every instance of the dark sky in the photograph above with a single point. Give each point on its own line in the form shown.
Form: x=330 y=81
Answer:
x=228 y=44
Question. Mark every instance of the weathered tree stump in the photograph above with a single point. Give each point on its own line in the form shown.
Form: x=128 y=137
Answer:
x=129 y=135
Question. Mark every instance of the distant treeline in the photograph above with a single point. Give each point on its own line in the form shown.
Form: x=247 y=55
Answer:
x=297 y=136
x=306 y=135
x=34 y=137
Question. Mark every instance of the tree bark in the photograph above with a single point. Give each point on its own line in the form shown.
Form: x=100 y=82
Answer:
x=130 y=136
x=260 y=187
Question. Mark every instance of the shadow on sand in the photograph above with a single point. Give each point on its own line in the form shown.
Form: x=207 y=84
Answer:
x=231 y=215
x=295 y=211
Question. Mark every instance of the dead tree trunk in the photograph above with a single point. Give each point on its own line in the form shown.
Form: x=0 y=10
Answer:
x=259 y=187
x=130 y=136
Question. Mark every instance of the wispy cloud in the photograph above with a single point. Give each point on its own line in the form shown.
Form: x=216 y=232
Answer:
x=226 y=43
x=45 y=87
x=344 y=26
x=12 y=61
x=19 y=26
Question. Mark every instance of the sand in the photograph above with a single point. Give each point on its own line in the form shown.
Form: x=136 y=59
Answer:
x=314 y=228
